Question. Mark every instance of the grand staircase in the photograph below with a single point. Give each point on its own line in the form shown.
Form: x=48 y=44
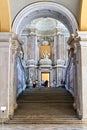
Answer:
x=45 y=106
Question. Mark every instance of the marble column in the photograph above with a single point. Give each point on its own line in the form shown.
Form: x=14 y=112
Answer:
x=61 y=47
x=25 y=40
x=51 y=76
x=31 y=46
x=55 y=47
x=32 y=57
x=66 y=47
x=79 y=82
x=36 y=49
x=52 y=51
x=39 y=76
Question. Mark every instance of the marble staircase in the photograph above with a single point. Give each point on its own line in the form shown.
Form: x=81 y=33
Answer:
x=45 y=106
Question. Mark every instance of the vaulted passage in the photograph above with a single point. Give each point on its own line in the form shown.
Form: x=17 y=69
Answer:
x=45 y=105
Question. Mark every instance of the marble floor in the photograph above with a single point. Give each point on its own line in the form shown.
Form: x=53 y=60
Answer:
x=42 y=127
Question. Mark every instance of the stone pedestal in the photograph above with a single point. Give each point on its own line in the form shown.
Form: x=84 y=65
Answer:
x=61 y=47
x=4 y=62
x=83 y=72
x=79 y=44
x=31 y=44
x=9 y=47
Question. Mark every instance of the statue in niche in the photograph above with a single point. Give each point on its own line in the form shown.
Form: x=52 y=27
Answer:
x=46 y=55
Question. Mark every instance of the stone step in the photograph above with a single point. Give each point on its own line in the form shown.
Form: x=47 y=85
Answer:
x=38 y=121
x=45 y=106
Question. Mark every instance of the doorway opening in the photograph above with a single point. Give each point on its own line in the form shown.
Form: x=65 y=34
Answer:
x=45 y=76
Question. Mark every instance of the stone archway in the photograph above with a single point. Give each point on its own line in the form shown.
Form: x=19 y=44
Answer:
x=44 y=9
